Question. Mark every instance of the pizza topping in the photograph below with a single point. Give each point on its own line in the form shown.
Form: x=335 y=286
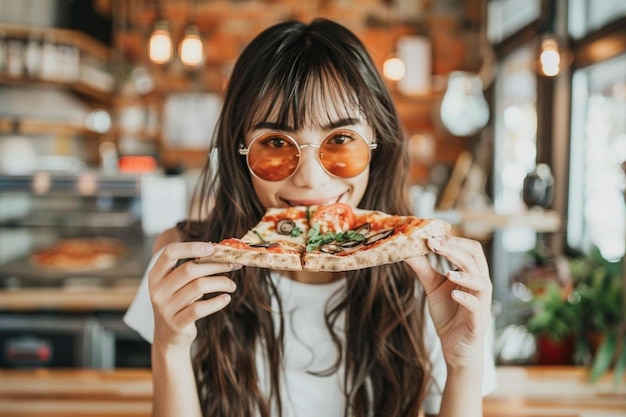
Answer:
x=288 y=227
x=347 y=239
x=364 y=229
x=378 y=236
x=330 y=248
x=266 y=245
x=334 y=217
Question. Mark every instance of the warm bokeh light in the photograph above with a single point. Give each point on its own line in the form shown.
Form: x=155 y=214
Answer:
x=394 y=69
x=550 y=58
x=191 y=50
x=160 y=47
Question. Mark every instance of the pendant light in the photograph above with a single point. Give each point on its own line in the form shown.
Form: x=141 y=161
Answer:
x=160 y=47
x=191 y=49
x=553 y=56
x=464 y=109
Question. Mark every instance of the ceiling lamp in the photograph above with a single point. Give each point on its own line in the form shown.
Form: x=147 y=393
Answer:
x=464 y=109
x=160 y=47
x=553 y=56
x=191 y=49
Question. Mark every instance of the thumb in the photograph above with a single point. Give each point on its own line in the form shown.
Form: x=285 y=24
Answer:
x=425 y=272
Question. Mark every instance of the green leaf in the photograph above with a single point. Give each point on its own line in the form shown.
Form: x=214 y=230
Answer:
x=620 y=365
x=604 y=356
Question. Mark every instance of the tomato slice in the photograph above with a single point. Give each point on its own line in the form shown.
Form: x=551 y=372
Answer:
x=336 y=217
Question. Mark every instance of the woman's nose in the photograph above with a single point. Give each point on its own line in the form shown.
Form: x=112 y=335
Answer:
x=310 y=172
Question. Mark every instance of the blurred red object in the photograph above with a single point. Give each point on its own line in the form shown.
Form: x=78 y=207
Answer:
x=137 y=164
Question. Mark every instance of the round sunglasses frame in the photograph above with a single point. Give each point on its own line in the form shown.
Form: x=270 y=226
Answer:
x=244 y=151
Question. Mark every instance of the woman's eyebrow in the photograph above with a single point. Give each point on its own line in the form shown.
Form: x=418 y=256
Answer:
x=272 y=126
x=347 y=121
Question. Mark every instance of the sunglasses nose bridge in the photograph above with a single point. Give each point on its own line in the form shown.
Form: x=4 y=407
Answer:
x=309 y=145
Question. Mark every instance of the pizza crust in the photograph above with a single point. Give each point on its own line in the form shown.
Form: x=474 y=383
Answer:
x=260 y=259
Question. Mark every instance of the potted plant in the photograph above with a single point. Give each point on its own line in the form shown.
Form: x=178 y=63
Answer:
x=554 y=323
x=578 y=298
x=599 y=292
x=545 y=286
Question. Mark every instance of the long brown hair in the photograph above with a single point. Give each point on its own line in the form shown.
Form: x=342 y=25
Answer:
x=283 y=71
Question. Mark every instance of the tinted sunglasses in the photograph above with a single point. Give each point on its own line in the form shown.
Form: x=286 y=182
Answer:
x=275 y=156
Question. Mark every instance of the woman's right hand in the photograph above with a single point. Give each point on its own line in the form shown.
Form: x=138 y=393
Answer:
x=177 y=291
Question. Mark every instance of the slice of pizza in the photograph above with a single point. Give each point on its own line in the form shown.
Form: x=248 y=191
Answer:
x=334 y=237
x=276 y=242
x=341 y=238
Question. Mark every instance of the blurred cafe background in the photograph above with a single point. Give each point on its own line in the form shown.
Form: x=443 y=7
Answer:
x=514 y=111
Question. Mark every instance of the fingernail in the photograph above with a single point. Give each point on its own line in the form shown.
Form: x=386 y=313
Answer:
x=435 y=243
x=459 y=294
x=234 y=267
x=207 y=248
x=455 y=275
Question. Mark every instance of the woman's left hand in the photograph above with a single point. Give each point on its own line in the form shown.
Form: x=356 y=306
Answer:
x=459 y=301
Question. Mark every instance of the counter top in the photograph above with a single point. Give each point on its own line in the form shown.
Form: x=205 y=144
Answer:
x=68 y=299
x=521 y=392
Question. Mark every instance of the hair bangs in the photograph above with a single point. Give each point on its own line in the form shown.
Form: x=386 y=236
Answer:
x=310 y=90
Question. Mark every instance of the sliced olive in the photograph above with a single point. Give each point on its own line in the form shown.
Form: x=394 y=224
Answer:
x=264 y=245
x=285 y=226
x=376 y=237
x=364 y=229
x=351 y=244
x=330 y=248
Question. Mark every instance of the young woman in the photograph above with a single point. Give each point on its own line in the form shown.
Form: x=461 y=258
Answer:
x=233 y=341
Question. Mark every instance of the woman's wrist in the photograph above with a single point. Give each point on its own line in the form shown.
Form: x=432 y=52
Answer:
x=168 y=352
x=468 y=360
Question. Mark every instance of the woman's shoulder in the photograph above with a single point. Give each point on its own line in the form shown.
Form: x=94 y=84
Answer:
x=184 y=231
x=171 y=235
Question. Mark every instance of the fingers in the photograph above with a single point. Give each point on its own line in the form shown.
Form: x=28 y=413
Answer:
x=466 y=254
x=174 y=252
x=428 y=276
x=469 y=286
x=186 y=318
x=189 y=271
x=177 y=290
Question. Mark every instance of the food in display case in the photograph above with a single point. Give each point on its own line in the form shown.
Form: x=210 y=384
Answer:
x=80 y=254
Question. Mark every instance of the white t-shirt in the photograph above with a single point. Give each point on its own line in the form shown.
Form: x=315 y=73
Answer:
x=309 y=348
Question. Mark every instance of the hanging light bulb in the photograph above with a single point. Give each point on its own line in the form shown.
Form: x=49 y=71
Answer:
x=549 y=57
x=191 y=49
x=464 y=110
x=160 y=47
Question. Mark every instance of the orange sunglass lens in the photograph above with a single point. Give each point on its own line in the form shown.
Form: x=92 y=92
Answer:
x=273 y=157
x=344 y=154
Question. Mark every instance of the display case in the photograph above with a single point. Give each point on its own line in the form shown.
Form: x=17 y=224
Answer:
x=64 y=229
x=72 y=254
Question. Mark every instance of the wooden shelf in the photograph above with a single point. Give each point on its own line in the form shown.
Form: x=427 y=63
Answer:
x=46 y=127
x=80 y=88
x=478 y=223
x=77 y=299
x=71 y=37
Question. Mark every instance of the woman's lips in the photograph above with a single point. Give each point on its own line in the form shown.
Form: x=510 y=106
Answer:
x=313 y=201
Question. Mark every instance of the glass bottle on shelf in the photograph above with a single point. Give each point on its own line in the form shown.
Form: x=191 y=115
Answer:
x=49 y=59
x=32 y=57
x=3 y=53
